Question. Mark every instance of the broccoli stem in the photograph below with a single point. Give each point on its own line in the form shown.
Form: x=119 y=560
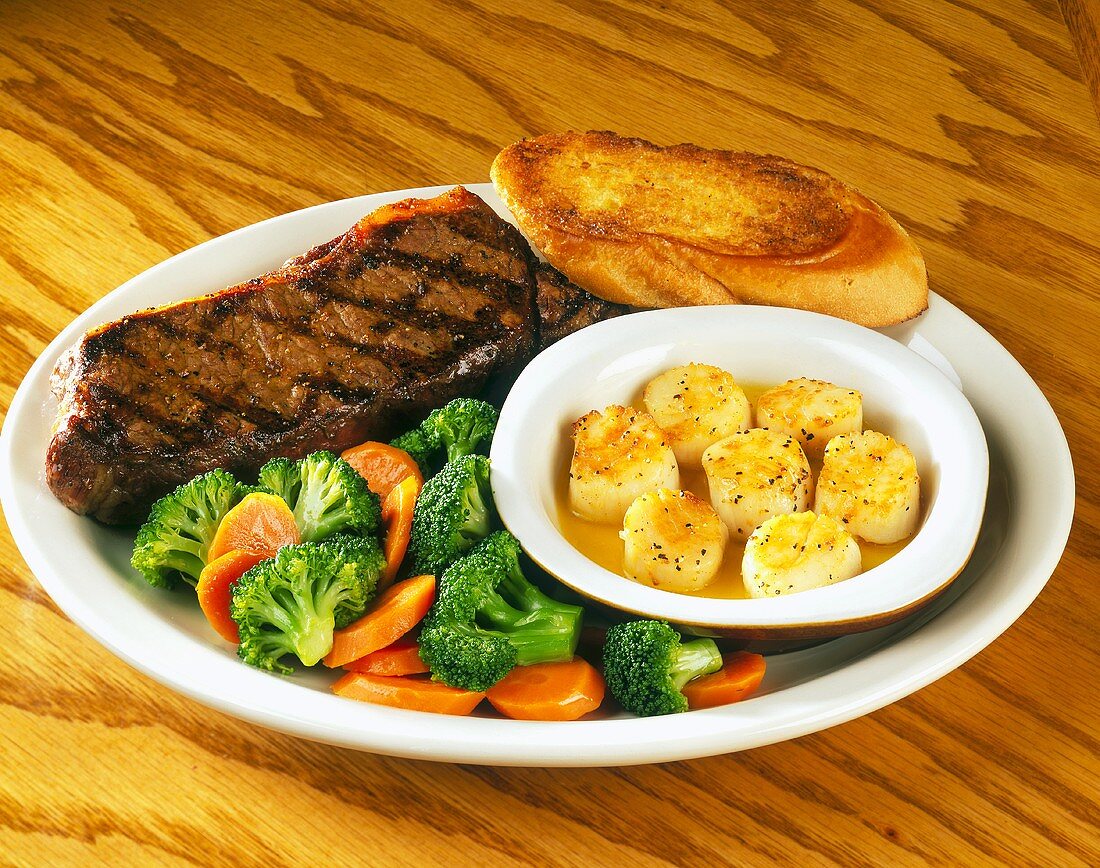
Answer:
x=478 y=522
x=313 y=639
x=190 y=565
x=313 y=514
x=311 y=631
x=464 y=441
x=496 y=613
x=308 y=633
x=544 y=635
x=692 y=659
x=191 y=546
x=547 y=637
x=516 y=587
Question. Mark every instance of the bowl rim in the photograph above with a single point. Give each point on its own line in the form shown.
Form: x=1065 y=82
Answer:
x=921 y=571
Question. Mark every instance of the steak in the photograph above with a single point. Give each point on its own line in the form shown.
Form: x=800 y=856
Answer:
x=418 y=303
x=563 y=307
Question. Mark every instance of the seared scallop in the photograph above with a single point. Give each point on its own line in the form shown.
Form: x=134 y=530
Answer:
x=813 y=411
x=754 y=475
x=798 y=552
x=869 y=483
x=697 y=405
x=618 y=455
x=673 y=541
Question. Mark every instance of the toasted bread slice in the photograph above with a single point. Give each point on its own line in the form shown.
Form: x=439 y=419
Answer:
x=654 y=226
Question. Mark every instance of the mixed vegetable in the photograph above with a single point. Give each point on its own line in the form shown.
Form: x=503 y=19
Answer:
x=488 y=619
x=454 y=511
x=388 y=561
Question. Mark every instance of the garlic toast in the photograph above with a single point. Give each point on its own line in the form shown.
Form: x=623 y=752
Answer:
x=651 y=226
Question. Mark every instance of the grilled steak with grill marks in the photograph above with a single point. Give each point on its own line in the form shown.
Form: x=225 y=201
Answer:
x=418 y=303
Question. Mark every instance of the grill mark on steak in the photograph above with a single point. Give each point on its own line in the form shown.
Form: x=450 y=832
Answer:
x=167 y=424
x=418 y=303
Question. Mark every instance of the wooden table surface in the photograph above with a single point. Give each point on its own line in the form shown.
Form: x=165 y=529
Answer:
x=130 y=131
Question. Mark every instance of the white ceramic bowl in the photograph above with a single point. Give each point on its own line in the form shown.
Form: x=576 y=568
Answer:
x=903 y=395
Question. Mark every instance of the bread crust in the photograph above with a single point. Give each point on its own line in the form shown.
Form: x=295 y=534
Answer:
x=651 y=226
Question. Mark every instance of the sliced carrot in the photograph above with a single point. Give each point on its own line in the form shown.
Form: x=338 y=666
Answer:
x=397 y=513
x=259 y=523
x=549 y=691
x=740 y=675
x=214 y=586
x=408 y=692
x=383 y=466
x=400 y=658
x=393 y=614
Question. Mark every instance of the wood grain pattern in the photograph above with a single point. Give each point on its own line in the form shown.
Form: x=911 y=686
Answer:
x=130 y=131
x=1083 y=20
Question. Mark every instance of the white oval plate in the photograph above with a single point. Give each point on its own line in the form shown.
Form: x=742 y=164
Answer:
x=610 y=362
x=1028 y=515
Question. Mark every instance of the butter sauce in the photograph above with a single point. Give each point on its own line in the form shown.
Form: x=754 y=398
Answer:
x=600 y=542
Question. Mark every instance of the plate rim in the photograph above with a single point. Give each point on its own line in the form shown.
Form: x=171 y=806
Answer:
x=586 y=743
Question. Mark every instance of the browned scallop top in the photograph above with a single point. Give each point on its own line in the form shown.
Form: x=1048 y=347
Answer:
x=617 y=188
x=615 y=441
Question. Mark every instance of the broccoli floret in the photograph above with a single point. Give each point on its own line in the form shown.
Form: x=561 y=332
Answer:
x=461 y=427
x=452 y=513
x=325 y=493
x=646 y=666
x=488 y=618
x=291 y=603
x=283 y=477
x=173 y=542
